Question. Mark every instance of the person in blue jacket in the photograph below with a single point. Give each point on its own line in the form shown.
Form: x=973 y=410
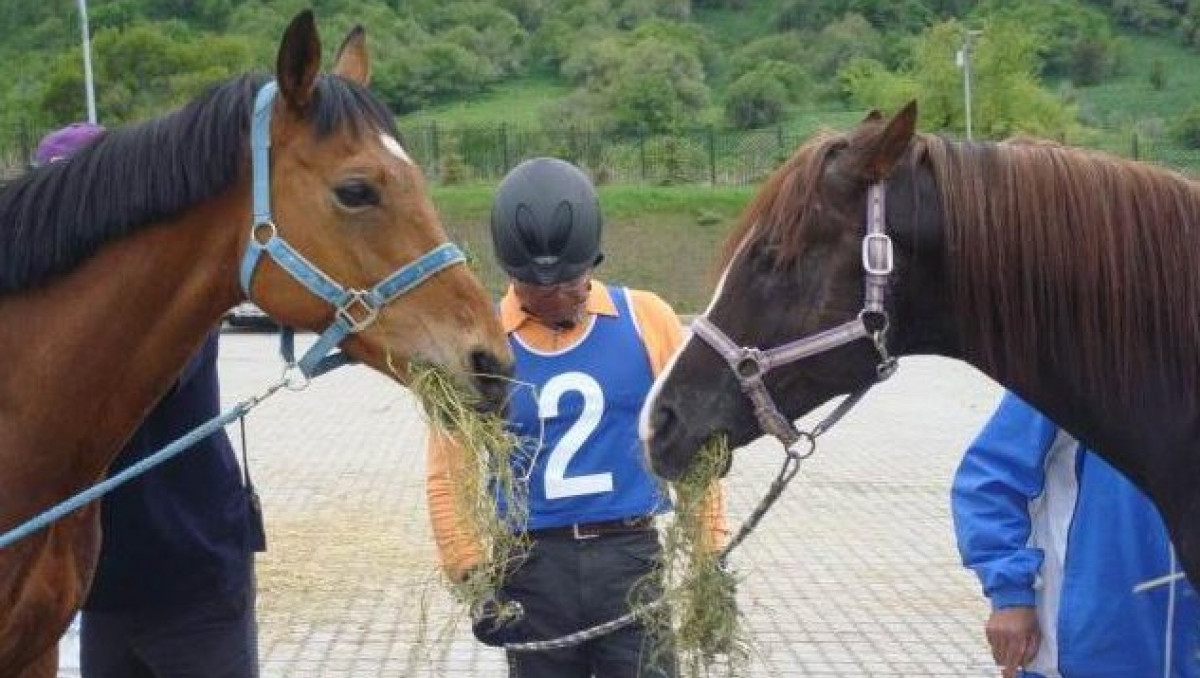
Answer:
x=1074 y=559
x=173 y=592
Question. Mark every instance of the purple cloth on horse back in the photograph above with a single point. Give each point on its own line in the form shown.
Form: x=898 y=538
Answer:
x=61 y=143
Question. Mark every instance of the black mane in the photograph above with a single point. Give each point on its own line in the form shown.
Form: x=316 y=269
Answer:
x=58 y=215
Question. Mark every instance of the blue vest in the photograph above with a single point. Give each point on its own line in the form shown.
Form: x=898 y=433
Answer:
x=580 y=453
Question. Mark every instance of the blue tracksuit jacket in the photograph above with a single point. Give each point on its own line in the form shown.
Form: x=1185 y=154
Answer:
x=1043 y=521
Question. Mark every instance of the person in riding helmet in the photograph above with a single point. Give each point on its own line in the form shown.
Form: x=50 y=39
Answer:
x=586 y=355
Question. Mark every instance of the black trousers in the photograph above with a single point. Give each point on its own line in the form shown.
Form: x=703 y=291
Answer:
x=213 y=639
x=566 y=585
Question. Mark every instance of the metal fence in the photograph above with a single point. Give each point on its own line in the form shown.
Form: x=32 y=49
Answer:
x=701 y=155
x=17 y=142
x=697 y=156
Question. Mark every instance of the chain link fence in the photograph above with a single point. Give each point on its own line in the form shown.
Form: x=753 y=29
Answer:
x=696 y=156
x=17 y=143
x=701 y=155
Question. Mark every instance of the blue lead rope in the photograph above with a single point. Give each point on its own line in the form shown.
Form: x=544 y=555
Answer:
x=102 y=488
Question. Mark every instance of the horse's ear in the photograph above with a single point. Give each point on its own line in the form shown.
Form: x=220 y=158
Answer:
x=352 y=62
x=299 y=62
x=873 y=116
x=884 y=150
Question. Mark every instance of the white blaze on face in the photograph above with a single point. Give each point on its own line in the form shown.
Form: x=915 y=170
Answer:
x=394 y=147
x=644 y=430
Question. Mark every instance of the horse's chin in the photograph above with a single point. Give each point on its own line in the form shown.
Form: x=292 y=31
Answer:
x=672 y=463
x=666 y=467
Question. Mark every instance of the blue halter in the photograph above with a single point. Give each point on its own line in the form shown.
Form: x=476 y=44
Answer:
x=355 y=309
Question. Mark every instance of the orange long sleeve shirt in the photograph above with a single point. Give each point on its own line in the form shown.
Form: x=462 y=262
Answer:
x=458 y=548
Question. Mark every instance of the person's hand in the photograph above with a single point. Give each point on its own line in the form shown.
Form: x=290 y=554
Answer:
x=497 y=621
x=1014 y=635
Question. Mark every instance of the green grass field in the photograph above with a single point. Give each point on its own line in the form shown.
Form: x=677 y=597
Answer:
x=1130 y=98
x=517 y=103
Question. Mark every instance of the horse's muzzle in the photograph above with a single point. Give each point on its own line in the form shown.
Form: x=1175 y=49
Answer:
x=491 y=378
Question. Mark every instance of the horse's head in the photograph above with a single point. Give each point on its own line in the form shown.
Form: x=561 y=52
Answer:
x=348 y=199
x=813 y=268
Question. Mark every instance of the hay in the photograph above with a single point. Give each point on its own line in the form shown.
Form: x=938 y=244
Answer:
x=699 y=623
x=485 y=477
x=700 y=618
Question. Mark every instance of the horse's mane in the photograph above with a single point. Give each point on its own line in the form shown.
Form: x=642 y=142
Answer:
x=781 y=208
x=56 y=216
x=1088 y=260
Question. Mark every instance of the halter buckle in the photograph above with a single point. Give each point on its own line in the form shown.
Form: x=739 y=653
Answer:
x=358 y=301
x=877 y=254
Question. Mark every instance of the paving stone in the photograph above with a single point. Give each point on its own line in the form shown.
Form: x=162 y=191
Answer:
x=852 y=573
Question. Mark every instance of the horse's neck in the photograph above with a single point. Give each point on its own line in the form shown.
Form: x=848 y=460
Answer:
x=93 y=351
x=1151 y=439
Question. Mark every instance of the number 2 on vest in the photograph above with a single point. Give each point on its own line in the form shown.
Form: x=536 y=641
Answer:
x=557 y=484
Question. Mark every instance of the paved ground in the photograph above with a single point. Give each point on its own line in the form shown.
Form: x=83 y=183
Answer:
x=853 y=574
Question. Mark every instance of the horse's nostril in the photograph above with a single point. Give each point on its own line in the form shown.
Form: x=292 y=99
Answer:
x=486 y=362
x=662 y=419
x=489 y=375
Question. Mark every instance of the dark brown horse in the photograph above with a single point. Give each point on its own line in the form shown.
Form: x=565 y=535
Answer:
x=1069 y=276
x=116 y=263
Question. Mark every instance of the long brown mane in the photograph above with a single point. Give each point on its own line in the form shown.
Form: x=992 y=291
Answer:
x=1048 y=241
x=1043 y=241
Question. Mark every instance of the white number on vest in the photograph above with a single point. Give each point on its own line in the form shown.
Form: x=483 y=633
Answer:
x=558 y=485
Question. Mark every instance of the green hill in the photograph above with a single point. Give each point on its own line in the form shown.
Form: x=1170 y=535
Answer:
x=636 y=69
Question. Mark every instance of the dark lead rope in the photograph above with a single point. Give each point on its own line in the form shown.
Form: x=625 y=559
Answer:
x=788 y=471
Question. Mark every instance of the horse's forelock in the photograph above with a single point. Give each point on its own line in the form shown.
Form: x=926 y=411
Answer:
x=341 y=103
x=778 y=212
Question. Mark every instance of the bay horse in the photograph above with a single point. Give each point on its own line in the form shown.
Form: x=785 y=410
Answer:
x=1069 y=276
x=117 y=262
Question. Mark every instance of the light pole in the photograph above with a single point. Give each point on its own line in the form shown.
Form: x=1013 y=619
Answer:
x=964 y=62
x=89 y=89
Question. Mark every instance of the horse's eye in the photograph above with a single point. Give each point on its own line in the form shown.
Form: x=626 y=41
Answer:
x=356 y=194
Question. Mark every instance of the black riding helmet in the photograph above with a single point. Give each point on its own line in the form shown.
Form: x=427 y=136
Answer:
x=546 y=222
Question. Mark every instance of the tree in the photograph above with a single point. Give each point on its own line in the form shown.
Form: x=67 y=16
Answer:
x=790 y=47
x=1186 y=130
x=867 y=83
x=755 y=99
x=1006 y=94
x=1074 y=40
x=659 y=87
x=1009 y=97
x=841 y=40
x=595 y=65
x=804 y=15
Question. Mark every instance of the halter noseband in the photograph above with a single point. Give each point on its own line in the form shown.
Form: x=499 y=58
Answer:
x=751 y=364
x=355 y=309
